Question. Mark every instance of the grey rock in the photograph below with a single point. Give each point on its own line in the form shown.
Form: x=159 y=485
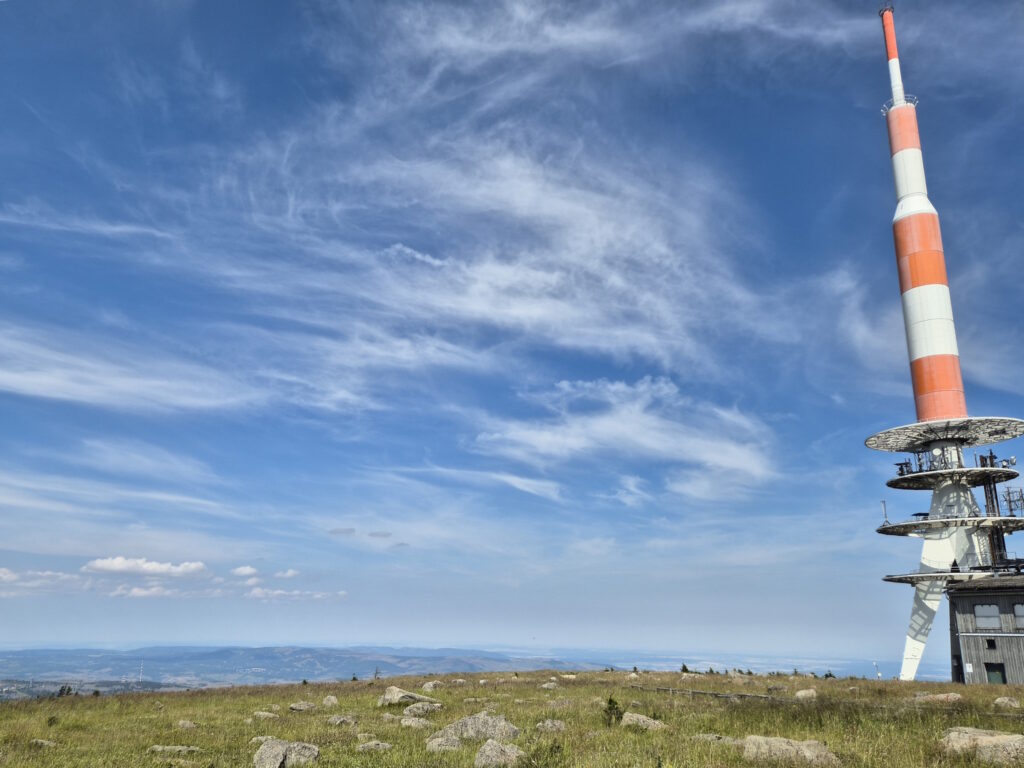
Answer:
x=265 y=715
x=274 y=707
x=387 y=717
x=43 y=743
x=482 y=725
x=173 y=749
x=494 y=753
x=807 y=694
x=416 y=722
x=1007 y=702
x=433 y=685
x=260 y=739
x=187 y=724
x=762 y=749
x=365 y=736
x=373 y=746
x=342 y=720
x=421 y=708
x=395 y=695
x=302 y=706
x=330 y=701
x=938 y=698
x=278 y=753
x=568 y=677
x=549 y=686
x=643 y=722
x=443 y=744
x=551 y=726
x=458 y=681
x=991 y=747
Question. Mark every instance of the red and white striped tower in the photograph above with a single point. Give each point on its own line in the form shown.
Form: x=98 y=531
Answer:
x=927 y=312
x=960 y=541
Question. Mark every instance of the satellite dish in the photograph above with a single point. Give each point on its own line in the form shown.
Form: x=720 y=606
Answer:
x=936 y=452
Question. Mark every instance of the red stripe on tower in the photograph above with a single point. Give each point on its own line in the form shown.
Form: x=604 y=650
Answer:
x=927 y=311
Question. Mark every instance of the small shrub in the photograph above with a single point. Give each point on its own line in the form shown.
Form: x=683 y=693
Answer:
x=683 y=668
x=305 y=681
x=95 y=691
x=828 y=675
x=52 y=720
x=612 y=712
x=546 y=755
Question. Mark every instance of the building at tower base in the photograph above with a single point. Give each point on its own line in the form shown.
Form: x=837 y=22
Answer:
x=986 y=630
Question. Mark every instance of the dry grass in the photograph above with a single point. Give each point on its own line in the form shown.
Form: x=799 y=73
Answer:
x=878 y=724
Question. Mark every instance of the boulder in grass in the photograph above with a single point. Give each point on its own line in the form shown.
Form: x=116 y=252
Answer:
x=443 y=744
x=643 y=722
x=716 y=738
x=265 y=715
x=395 y=695
x=482 y=725
x=548 y=686
x=494 y=754
x=330 y=701
x=415 y=722
x=773 y=749
x=991 y=747
x=551 y=726
x=807 y=694
x=278 y=753
x=342 y=720
x=433 y=685
x=186 y=724
x=302 y=706
x=1007 y=702
x=43 y=743
x=373 y=746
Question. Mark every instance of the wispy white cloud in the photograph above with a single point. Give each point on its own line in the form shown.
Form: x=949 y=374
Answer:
x=261 y=593
x=290 y=573
x=143 y=567
x=244 y=570
x=142 y=592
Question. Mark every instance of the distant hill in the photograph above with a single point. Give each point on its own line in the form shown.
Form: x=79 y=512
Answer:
x=199 y=667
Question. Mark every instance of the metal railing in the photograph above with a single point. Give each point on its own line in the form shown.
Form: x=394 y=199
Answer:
x=907 y=99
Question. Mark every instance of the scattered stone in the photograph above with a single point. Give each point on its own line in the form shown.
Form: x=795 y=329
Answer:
x=265 y=715
x=938 y=698
x=807 y=694
x=494 y=753
x=433 y=685
x=634 y=704
x=458 y=681
x=473 y=700
x=643 y=722
x=690 y=676
x=330 y=701
x=43 y=743
x=778 y=688
x=260 y=739
x=387 y=717
x=852 y=689
x=174 y=749
x=443 y=744
x=549 y=686
x=416 y=722
x=1007 y=702
x=568 y=677
x=761 y=749
x=992 y=747
x=551 y=726
x=395 y=695
x=421 y=708
x=553 y=679
x=278 y=753
x=302 y=706
x=274 y=707
x=248 y=721
x=715 y=738
x=365 y=736
x=482 y=725
x=632 y=676
x=373 y=746
x=158 y=705
x=342 y=720
x=483 y=682
x=186 y=724
x=563 y=703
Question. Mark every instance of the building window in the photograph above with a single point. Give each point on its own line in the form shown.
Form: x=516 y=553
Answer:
x=1018 y=616
x=987 y=616
x=990 y=643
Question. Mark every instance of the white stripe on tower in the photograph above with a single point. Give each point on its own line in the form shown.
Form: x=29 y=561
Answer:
x=927 y=311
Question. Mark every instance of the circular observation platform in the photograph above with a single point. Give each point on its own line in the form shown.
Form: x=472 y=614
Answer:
x=969 y=476
x=918 y=577
x=913 y=438
x=924 y=524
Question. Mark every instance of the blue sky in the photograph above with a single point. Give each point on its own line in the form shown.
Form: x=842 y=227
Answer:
x=503 y=324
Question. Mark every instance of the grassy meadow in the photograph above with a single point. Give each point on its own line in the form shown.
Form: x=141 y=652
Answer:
x=864 y=722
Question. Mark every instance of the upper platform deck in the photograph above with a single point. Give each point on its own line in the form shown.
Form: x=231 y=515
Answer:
x=969 y=432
